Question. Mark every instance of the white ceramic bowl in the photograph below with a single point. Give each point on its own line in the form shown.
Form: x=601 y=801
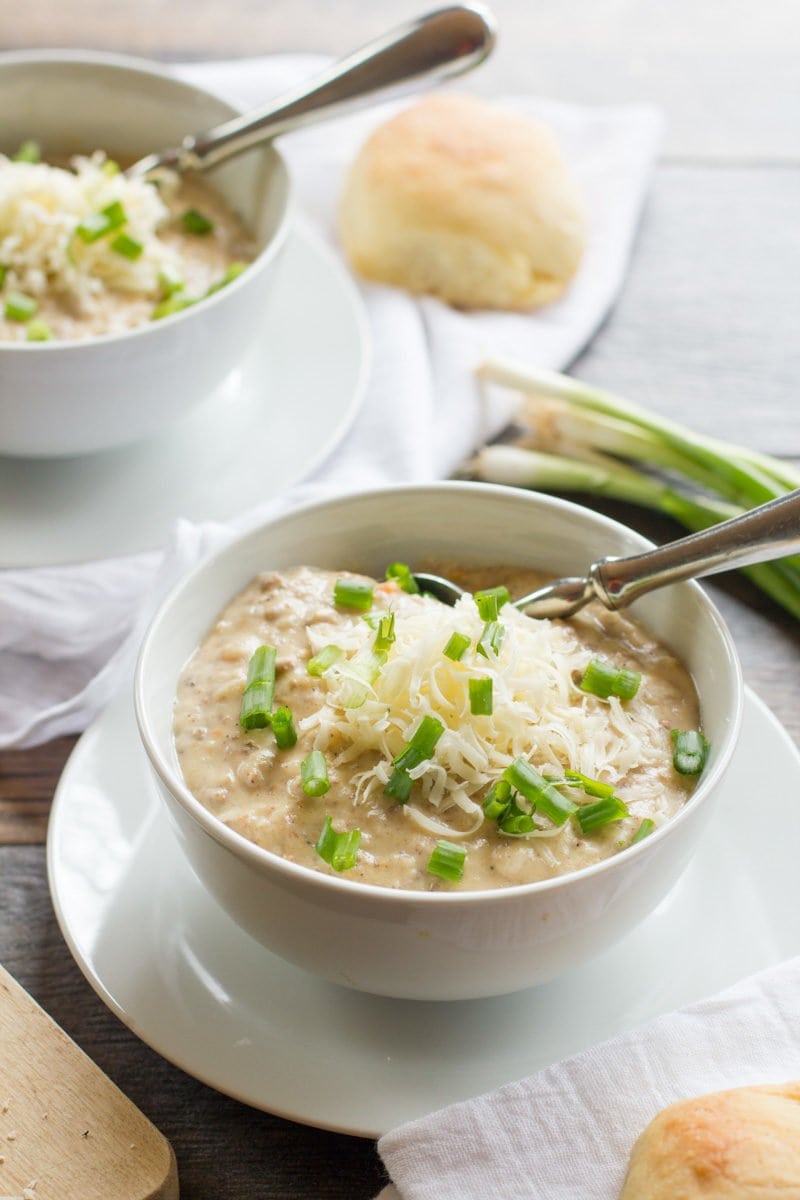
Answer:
x=434 y=945
x=63 y=398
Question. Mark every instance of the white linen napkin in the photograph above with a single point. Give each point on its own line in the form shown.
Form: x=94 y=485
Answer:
x=67 y=634
x=565 y=1133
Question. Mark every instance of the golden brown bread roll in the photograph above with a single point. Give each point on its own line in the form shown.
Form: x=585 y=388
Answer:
x=457 y=198
x=742 y=1144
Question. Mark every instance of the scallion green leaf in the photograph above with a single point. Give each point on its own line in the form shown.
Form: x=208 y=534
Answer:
x=490 y=601
x=399 y=787
x=256 y=706
x=318 y=664
x=19 y=307
x=591 y=817
x=689 y=751
x=646 y=827
x=338 y=850
x=603 y=679
x=196 y=222
x=592 y=787
x=172 y=304
x=491 y=639
x=498 y=799
x=457 y=646
x=232 y=271
x=314 y=774
x=97 y=225
x=402 y=575
x=349 y=593
x=169 y=281
x=28 y=152
x=481 y=703
x=421 y=745
x=538 y=792
x=282 y=722
x=38 y=331
x=385 y=636
x=127 y=246
x=447 y=861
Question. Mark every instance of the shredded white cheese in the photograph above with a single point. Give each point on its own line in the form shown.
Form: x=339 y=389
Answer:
x=41 y=207
x=539 y=712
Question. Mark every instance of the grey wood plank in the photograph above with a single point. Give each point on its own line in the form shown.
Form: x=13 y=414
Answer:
x=705 y=330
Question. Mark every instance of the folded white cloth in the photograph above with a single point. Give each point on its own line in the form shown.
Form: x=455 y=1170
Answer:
x=67 y=634
x=566 y=1132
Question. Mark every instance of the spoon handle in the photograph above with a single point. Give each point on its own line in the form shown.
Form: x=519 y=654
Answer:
x=770 y=531
x=441 y=44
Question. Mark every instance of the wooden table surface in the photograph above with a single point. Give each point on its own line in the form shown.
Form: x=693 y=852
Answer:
x=705 y=330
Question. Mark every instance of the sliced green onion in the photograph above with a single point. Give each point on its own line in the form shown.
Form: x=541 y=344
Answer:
x=29 y=152
x=338 y=850
x=38 y=331
x=457 y=646
x=196 y=222
x=385 y=636
x=515 y=820
x=172 y=304
x=282 y=723
x=592 y=817
x=314 y=774
x=20 y=307
x=318 y=664
x=3 y=271
x=603 y=679
x=97 y=225
x=689 y=751
x=169 y=281
x=232 y=271
x=127 y=246
x=646 y=827
x=480 y=697
x=402 y=574
x=592 y=787
x=358 y=676
x=447 y=861
x=256 y=707
x=399 y=786
x=491 y=639
x=490 y=601
x=422 y=744
x=498 y=800
x=538 y=792
x=110 y=168
x=349 y=593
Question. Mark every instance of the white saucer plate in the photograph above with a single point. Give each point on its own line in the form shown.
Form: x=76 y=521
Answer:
x=193 y=986
x=272 y=422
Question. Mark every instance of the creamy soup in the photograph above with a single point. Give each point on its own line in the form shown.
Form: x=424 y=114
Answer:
x=503 y=695
x=87 y=252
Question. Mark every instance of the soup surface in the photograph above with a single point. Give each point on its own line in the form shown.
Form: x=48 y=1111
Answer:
x=85 y=251
x=363 y=710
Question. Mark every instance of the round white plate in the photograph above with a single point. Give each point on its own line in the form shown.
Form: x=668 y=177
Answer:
x=184 y=978
x=271 y=423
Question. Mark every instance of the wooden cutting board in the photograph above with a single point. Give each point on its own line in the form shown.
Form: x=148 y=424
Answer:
x=66 y=1131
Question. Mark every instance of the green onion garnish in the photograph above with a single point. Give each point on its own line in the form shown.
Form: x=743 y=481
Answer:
x=385 y=636
x=401 y=573
x=349 y=593
x=338 y=850
x=399 y=786
x=282 y=723
x=172 y=304
x=490 y=601
x=38 y=331
x=256 y=707
x=447 y=861
x=29 y=152
x=538 y=792
x=457 y=646
x=110 y=167
x=491 y=639
x=322 y=662
x=592 y=817
x=20 y=307
x=498 y=800
x=592 y=787
x=603 y=679
x=480 y=697
x=232 y=271
x=169 y=281
x=646 y=827
x=515 y=820
x=422 y=744
x=127 y=246
x=358 y=676
x=97 y=225
x=689 y=751
x=3 y=271
x=195 y=222
x=314 y=774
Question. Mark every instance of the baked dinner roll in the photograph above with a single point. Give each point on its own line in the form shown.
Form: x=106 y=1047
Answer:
x=742 y=1144
x=458 y=198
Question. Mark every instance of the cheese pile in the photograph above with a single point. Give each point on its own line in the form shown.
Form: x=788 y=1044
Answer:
x=40 y=209
x=539 y=712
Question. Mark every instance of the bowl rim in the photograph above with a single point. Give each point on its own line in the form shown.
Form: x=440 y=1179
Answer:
x=144 y=67
x=268 y=861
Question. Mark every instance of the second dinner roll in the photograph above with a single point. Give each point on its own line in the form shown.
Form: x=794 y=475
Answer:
x=457 y=198
x=742 y=1144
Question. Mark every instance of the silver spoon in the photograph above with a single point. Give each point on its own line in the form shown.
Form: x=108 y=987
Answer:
x=437 y=46
x=770 y=531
